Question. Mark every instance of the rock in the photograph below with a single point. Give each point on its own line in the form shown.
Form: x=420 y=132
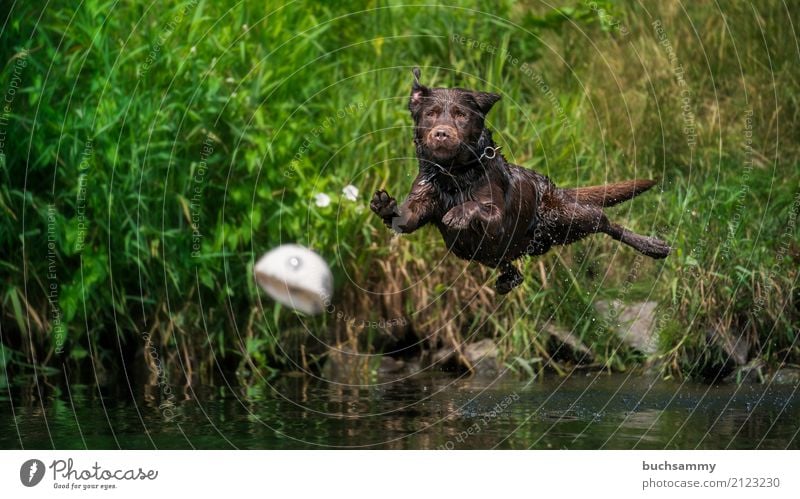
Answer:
x=735 y=345
x=634 y=323
x=412 y=366
x=753 y=372
x=443 y=355
x=787 y=376
x=482 y=356
x=390 y=365
x=571 y=340
x=485 y=348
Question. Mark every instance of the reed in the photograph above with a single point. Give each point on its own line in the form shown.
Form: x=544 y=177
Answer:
x=152 y=153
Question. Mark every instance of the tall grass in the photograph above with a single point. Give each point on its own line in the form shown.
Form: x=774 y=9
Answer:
x=154 y=152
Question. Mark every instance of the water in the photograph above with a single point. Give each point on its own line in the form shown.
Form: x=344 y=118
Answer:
x=425 y=412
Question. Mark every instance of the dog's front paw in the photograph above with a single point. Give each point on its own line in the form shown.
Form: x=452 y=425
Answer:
x=505 y=284
x=384 y=205
x=459 y=217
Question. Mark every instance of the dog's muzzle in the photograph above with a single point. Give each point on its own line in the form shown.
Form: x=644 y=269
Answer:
x=443 y=137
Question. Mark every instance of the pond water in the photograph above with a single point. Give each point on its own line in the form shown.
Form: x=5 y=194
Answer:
x=584 y=411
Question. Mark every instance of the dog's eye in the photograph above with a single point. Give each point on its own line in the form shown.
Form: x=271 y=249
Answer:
x=458 y=113
x=431 y=113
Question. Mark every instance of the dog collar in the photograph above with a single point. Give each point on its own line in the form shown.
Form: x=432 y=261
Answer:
x=489 y=152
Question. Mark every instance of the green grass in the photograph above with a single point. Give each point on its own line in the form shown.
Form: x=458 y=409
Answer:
x=215 y=113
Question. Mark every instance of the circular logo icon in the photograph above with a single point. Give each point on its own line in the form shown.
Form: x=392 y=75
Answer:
x=31 y=472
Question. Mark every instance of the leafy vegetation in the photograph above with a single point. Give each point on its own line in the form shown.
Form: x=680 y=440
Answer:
x=153 y=151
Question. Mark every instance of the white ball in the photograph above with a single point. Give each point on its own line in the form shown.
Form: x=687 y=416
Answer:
x=296 y=277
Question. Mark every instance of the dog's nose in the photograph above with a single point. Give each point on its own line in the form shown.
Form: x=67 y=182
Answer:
x=440 y=134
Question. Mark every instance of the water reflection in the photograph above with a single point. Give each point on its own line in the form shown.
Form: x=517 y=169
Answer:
x=420 y=412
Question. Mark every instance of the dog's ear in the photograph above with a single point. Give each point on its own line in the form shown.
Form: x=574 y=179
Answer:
x=485 y=101
x=418 y=92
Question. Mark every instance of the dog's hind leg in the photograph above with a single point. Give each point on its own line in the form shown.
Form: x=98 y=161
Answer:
x=582 y=220
x=650 y=246
x=509 y=279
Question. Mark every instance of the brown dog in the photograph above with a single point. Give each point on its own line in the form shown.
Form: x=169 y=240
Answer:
x=487 y=209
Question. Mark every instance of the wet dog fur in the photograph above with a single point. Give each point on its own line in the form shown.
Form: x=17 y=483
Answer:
x=487 y=209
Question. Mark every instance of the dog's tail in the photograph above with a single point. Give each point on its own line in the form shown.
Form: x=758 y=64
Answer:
x=609 y=194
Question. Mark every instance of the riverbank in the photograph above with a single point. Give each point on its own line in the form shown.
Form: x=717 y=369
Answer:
x=170 y=149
